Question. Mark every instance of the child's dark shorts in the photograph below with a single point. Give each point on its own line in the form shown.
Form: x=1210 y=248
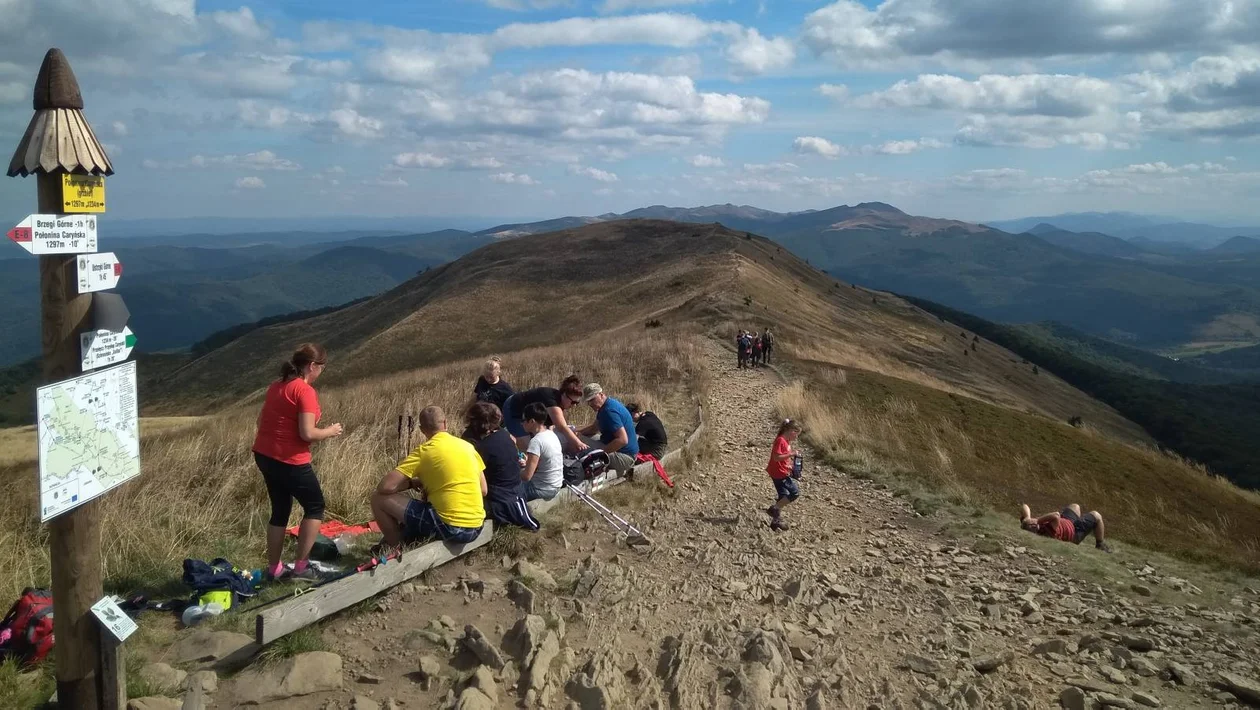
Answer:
x=786 y=488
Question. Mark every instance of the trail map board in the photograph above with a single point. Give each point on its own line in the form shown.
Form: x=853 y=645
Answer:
x=89 y=437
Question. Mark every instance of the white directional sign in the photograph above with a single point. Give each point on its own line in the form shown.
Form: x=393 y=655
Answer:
x=114 y=618
x=98 y=272
x=56 y=234
x=103 y=347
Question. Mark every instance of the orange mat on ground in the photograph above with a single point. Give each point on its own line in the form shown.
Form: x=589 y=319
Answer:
x=333 y=528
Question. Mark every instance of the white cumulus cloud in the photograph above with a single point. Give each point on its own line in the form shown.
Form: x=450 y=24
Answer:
x=250 y=183
x=705 y=161
x=420 y=160
x=513 y=179
x=593 y=173
x=818 y=146
x=753 y=54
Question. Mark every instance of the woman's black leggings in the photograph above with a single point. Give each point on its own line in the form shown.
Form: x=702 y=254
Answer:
x=286 y=481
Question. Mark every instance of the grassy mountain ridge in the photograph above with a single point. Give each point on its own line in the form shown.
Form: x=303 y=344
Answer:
x=1215 y=425
x=560 y=286
x=1087 y=281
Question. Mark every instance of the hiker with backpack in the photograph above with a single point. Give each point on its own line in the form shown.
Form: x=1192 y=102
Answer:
x=450 y=475
x=491 y=387
x=780 y=470
x=543 y=472
x=743 y=345
x=505 y=499
x=756 y=350
x=287 y=426
x=615 y=427
x=1067 y=525
x=767 y=345
x=556 y=401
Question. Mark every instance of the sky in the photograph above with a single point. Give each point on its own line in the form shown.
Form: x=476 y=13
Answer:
x=969 y=109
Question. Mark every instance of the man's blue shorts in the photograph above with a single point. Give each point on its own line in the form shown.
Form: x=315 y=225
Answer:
x=421 y=522
x=787 y=488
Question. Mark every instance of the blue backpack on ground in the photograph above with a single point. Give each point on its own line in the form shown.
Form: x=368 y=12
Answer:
x=218 y=581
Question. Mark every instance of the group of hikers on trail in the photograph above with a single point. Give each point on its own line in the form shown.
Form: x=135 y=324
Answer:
x=511 y=451
x=753 y=350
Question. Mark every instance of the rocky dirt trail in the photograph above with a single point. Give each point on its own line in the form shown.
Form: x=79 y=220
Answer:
x=861 y=604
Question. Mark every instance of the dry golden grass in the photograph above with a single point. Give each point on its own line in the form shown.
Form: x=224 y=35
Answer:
x=938 y=447
x=200 y=495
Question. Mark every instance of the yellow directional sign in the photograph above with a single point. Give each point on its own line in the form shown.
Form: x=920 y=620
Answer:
x=82 y=193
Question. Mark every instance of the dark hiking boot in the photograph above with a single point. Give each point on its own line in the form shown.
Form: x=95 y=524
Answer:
x=1104 y=547
x=773 y=512
x=779 y=526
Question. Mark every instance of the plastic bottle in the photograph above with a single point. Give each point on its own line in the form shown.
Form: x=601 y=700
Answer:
x=194 y=615
x=798 y=463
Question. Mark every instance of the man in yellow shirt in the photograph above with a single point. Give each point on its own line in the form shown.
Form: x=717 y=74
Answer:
x=451 y=478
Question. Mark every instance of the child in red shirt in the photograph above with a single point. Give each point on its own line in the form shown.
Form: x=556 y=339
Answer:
x=780 y=470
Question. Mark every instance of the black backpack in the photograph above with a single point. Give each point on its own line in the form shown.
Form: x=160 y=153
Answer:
x=585 y=467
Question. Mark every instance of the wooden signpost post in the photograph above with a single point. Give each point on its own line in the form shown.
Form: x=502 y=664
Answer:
x=70 y=166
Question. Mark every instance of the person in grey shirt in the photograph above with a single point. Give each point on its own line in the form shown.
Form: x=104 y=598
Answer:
x=544 y=461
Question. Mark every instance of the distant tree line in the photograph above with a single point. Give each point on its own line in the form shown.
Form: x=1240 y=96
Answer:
x=1216 y=425
x=220 y=338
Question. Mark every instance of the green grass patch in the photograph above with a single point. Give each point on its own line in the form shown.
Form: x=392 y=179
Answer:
x=21 y=688
x=304 y=640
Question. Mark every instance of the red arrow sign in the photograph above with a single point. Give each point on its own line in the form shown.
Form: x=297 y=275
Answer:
x=20 y=234
x=118 y=268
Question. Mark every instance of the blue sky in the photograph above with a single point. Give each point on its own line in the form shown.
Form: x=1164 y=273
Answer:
x=972 y=109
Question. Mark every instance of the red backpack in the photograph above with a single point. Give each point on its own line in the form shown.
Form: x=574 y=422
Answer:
x=30 y=626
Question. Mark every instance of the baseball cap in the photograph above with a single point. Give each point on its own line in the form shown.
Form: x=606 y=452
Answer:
x=590 y=390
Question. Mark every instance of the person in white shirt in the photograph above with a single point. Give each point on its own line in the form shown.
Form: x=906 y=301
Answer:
x=544 y=460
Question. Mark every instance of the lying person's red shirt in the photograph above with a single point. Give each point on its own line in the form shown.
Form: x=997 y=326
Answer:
x=1061 y=529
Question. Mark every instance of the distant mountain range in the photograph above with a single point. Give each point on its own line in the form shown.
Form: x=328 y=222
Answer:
x=1145 y=292
x=1128 y=226
x=180 y=294
x=184 y=288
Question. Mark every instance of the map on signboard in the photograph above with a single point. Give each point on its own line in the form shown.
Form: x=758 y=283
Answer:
x=89 y=437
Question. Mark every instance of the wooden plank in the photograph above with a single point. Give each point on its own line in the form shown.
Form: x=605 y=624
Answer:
x=283 y=619
x=36 y=139
x=100 y=160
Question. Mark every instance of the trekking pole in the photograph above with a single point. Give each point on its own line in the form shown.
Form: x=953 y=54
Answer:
x=399 y=440
x=411 y=427
x=633 y=534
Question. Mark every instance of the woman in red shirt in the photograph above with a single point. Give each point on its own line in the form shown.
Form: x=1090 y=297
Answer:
x=287 y=425
x=780 y=470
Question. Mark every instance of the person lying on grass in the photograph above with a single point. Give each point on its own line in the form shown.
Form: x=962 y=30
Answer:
x=1067 y=525
x=451 y=478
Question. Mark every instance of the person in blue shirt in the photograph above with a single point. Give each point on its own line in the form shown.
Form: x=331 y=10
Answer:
x=615 y=427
